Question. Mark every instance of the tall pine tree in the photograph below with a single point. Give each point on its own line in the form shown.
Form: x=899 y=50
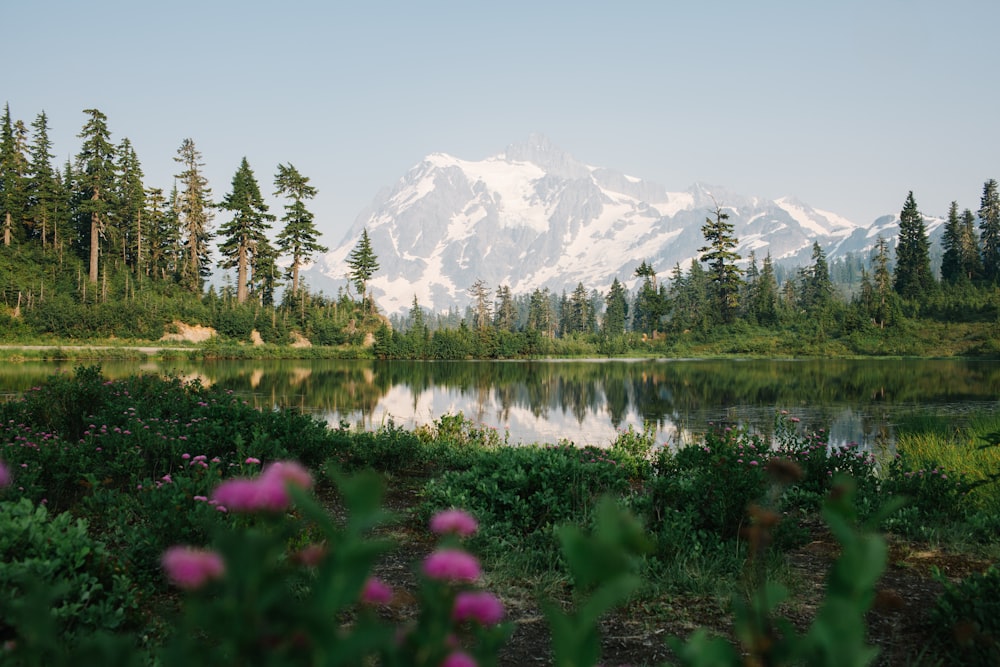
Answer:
x=912 y=277
x=721 y=260
x=951 y=244
x=972 y=264
x=194 y=212
x=13 y=186
x=989 y=230
x=615 y=310
x=44 y=193
x=131 y=200
x=363 y=263
x=298 y=237
x=95 y=184
x=241 y=236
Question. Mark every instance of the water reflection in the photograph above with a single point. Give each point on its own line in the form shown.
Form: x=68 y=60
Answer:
x=591 y=401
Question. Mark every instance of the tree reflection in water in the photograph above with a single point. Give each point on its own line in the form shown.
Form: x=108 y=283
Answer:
x=588 y=402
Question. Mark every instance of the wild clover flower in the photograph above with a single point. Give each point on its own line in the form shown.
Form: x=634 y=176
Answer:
x=452 y=565
x=479 y=606
x=191 y=568
x=376 y=591
x=268 y=492
x=459 y=659
x=454 y=521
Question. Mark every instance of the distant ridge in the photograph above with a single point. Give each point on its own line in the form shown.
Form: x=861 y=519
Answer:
x=536 y=217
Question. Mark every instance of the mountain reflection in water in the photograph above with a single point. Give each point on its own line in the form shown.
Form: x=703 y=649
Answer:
x=589 y=402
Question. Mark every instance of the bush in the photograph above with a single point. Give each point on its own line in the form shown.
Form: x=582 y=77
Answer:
x=37 y=551
x=520 y=494
x=967 y=619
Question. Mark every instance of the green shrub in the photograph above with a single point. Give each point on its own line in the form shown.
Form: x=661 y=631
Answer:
x=56 y=552
x=520 y=494
x=967 y=619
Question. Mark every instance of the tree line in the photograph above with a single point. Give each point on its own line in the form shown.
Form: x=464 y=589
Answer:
x=94 y=233
x=91 y=247
x=720 y=292
x=98 y=207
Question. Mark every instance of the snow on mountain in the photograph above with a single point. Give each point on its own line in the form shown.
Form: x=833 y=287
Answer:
x=535 y=217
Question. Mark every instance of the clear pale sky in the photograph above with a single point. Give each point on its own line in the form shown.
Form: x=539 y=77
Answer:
x=847 y=105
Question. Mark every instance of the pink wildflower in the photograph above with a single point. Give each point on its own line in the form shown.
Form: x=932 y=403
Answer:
x=239 y=494
x=272 y=493
x=311 y=555
x=268 y=492
x=455 y=521
x=452 y=565
x=459 y=659
x=289 y=472
x=479 y=606
x=191 y=568
x=251 y=459
x=376 y=591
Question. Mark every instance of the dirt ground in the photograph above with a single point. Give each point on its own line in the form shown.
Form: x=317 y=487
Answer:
x=899 y=624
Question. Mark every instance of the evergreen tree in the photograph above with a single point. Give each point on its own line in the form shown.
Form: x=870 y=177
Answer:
x=194 y=213
x=989 y=230
x=615 y=310
x=13 y=177
x=885 y=305
x=766 y=295
x=131 y=204
x=363 y=263
x=505 y=312
x=96 y=183
x=580 y=317
x=972 y=264
x=417 y=321
x=163 y=236
x=951 y=244
x=817 y=289
x=748 y=297
x=482 y=303
x=244 y=238
x=540 y=315
x=264 y=274
x=298 y=237
x=650 y=306
x=912 y=277
x=44 y=192
x=721 y=260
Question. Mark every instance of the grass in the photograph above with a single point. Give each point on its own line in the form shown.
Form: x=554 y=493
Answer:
x=970 y=448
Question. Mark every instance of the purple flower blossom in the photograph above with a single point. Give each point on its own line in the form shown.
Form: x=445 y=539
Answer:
x=459 y=659
x=251 y=459
x=376 y=591
x=268 y=492
x=452 y=565
x=455 y=521
x=191 y=568
x=479 y=606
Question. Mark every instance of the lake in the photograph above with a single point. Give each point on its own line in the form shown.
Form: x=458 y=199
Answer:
x=589 y=402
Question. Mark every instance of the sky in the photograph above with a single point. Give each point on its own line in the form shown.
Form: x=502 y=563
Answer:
x=846 y=105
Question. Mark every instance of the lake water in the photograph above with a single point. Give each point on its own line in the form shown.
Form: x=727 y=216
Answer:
x=589 y=402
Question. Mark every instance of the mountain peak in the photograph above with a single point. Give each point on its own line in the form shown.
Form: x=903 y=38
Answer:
x=535 y=217
x=539 y=150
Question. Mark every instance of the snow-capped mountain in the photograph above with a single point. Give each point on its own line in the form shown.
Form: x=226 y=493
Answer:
x=535 y=217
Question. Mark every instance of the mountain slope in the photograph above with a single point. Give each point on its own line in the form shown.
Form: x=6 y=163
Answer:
x=535 y=217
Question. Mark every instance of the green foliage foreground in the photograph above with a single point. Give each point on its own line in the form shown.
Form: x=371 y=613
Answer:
x=103 y=478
